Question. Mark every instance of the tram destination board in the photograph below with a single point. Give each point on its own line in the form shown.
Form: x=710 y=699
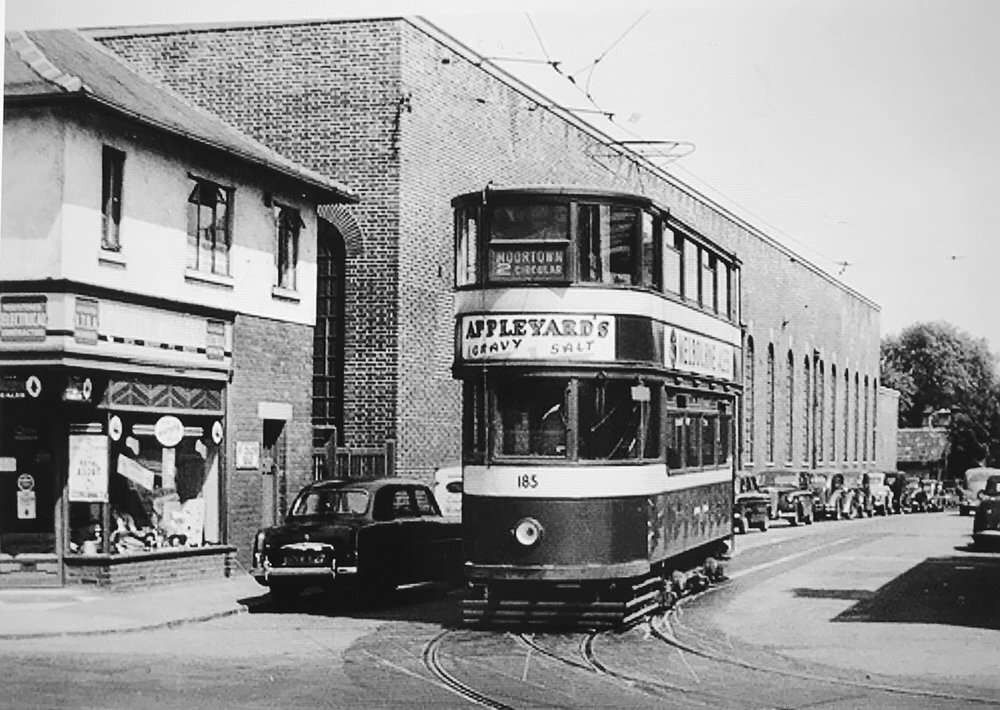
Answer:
x=537 y=262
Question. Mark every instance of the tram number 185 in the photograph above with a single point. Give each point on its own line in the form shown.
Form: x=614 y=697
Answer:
x=527 y=480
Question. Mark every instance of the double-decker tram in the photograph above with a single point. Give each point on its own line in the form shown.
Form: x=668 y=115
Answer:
x=598 y=344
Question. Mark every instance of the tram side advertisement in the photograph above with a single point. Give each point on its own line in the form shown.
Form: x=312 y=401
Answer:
x=538 y=336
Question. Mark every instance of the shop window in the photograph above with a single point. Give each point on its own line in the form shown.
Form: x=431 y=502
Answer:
x=209 y=227
x=112 y=167
x=157 y=496
x=288 y=224
x=532 y=418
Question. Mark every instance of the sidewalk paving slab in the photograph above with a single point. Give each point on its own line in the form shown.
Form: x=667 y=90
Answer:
x=69 y=611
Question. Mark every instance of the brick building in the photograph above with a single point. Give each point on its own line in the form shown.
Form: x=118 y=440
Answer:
x=411 y=118
x=157 y=302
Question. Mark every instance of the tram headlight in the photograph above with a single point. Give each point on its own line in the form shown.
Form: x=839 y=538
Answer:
x=528 y=532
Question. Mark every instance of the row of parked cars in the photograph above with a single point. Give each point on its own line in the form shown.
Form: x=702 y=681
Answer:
x=800 y=497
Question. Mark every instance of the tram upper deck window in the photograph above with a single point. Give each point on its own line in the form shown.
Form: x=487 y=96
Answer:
x=466 y=249
x=617 y=245
x=531 y=418
x=673 y=265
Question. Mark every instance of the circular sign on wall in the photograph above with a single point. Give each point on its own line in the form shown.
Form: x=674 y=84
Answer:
x=115 y=427
x=217 y=432
x=33 y=386
x=169 y=431
x=26 y=482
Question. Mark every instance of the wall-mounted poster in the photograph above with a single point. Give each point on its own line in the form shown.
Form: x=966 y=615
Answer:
x=88 y=468
x=247 y=454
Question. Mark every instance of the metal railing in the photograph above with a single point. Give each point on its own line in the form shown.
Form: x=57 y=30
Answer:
x=331 y=461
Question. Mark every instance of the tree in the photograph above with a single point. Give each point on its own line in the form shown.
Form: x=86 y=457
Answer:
x=937 y=366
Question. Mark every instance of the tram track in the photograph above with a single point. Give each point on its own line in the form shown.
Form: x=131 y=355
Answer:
x=432 y=661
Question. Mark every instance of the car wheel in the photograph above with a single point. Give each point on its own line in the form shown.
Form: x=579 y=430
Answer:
x=740 y=527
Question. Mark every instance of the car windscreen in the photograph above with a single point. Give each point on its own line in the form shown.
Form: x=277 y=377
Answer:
x=341 y=501
x=780 y=479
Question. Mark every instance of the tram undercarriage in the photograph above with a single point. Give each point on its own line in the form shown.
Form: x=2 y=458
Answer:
x=591 y=604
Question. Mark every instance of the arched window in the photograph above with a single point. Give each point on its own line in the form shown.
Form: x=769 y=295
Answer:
x=328 y=336
x=769 y=415
x=806 y=403
x=833 y=412
x=820 y=410
x=749 y=404
x=857 y=413
x=865 y=419
x=875 y=420
x=847 y=415
x=790 y=390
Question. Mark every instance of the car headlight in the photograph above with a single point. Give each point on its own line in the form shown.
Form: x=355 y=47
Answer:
x=528 y=532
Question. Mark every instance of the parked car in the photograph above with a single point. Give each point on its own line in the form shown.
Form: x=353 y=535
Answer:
x=986 y=524
x=873 y=495
x=975 y=481
x=896 y=481
x=842 y=500
x=751 y=506
x=789 y=496
x=371 y=533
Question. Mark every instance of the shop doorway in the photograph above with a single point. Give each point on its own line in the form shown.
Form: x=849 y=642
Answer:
x=29 y=499
x=274 y=484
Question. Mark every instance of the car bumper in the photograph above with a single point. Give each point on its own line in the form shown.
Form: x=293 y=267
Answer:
x=315 y=574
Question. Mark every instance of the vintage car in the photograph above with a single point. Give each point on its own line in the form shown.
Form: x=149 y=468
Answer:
x=873 y=495
x=374 y=534
x=751 y=506
x=840 y=500
x=986 y=524
x=790 y=497
x=975 y=481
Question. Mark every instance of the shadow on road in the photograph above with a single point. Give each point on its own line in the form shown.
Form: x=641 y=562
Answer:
x=956 y=591
x=432 y=604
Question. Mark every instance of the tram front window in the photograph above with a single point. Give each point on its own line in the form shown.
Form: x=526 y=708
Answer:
x=541 y=221
x=532 y=418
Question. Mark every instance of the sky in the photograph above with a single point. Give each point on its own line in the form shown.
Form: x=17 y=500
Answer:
x=862 y=134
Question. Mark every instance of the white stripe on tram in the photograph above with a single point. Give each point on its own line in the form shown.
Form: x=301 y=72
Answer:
x=601 y=481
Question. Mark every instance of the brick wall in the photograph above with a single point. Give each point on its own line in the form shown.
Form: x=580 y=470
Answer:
x=397 y=113
x=272 y=362
x=153 y=569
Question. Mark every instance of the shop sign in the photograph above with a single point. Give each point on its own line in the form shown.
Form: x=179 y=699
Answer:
x=215 y=340
x=23 y=318
x=12 y=387
x=88 y=468
x=694 y=353
x=535 y=263
x=540 y=336
x=217 y=432
x=115 y=427
x=169 y=431
x=26 y=482
x=247 y=454
x=86 y=321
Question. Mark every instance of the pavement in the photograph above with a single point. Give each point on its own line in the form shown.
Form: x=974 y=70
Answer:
x=73 y=611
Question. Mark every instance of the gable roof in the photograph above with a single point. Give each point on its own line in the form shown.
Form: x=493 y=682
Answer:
x=922 y=445
x=63 y=65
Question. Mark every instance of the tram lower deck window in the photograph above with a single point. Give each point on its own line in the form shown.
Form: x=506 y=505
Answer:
x=531 y=418
x=618 y=420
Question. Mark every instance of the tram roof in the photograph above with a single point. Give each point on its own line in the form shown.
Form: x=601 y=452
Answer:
x=582 y=191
